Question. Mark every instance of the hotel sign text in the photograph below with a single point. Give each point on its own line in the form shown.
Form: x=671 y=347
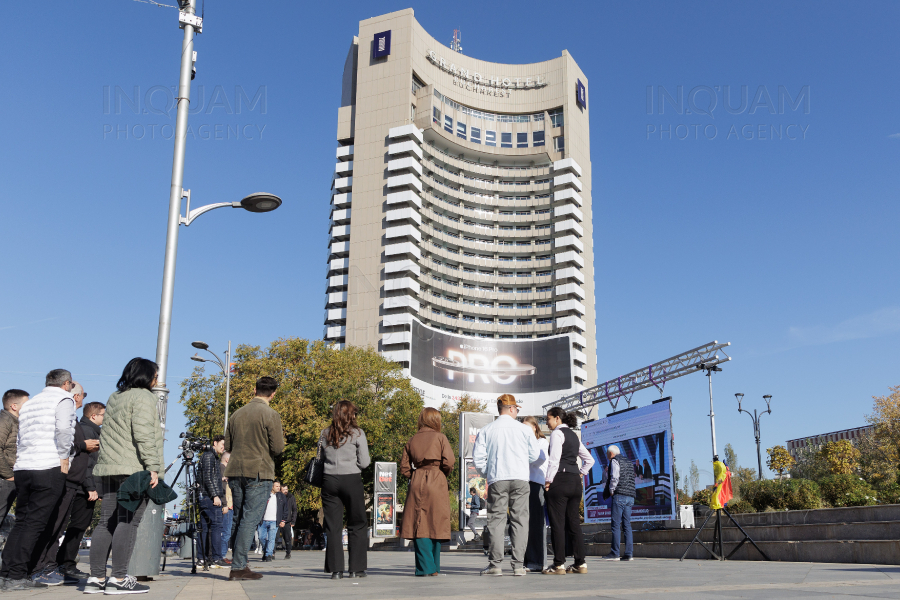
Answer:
x=467 y=77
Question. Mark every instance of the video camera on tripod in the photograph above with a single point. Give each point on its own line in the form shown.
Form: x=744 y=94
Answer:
x=192 y=445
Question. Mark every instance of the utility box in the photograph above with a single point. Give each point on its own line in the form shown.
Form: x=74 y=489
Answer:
x=685 y=518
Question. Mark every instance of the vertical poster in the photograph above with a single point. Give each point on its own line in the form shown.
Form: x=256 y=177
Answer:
x=643 y=436
x=385 y=513
x=469 y=426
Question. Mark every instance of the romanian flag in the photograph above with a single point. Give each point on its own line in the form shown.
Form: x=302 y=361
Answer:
x=722 y=491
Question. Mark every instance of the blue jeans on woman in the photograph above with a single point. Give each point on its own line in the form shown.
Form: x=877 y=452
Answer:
x=621 y=516
x=267 y=532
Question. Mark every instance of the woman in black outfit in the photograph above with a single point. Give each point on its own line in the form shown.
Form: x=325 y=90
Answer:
x=346 y=455
x=564 y=490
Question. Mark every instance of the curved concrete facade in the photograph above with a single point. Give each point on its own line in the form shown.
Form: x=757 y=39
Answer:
x=461 y=197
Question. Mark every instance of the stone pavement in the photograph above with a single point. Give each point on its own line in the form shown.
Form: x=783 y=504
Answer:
x=391 y=576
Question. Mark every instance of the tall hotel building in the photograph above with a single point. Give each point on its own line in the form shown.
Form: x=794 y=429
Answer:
x=461 y=217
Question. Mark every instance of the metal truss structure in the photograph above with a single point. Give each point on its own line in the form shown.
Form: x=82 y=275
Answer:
x=656 y=375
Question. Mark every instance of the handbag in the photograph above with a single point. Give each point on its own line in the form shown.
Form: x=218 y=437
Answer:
x=315 y=468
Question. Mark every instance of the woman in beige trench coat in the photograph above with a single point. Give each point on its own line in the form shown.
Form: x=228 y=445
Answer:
x=426 y=460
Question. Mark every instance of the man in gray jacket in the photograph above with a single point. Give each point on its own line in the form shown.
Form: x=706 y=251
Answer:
x=9 y=431
x=254 y=437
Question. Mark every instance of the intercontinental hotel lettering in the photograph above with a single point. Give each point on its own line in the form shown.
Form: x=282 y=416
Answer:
x=484 y=84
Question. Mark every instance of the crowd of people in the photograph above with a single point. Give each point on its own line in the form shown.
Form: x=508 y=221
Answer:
x=56 y=468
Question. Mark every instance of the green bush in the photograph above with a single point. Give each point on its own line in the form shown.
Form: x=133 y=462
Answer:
x=702 y=497
x=787 y=494
x=736 y=507
x=846 y=490
x=889 y=494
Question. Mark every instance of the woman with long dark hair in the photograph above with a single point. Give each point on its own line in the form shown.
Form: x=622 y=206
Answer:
x=536 y=550
x=564 y=490
x=132 y=441
x=427 y=460
x=346 y=455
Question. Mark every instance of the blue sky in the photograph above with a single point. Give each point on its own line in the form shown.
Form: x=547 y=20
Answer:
x=785 y=248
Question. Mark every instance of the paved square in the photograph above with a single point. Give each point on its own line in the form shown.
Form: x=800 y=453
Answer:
x=391 y=576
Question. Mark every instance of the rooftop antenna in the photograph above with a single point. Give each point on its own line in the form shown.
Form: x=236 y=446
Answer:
x=456 y=46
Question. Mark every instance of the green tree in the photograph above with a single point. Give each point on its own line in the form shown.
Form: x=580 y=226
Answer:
x=840 y=456
x=739 y=475
x=809 y=463
x=312 y=377
x=693 y=483
x=780 y=460
x=886 y=419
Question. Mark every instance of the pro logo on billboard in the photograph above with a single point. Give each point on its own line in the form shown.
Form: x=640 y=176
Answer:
x=581 y=94
x=445 y=365
x=382 y=45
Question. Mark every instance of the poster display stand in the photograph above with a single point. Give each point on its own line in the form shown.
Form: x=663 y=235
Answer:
x=385 y=513
x=470 y=424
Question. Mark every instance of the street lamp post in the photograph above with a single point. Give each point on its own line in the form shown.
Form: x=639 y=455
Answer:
x=226 y=371
x=145 y=558
x=755 y=418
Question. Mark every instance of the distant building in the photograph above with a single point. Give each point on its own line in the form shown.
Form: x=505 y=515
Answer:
x=817 y=441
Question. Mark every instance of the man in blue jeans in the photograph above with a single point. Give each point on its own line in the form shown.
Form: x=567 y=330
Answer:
x=620 y=485
x=254 y=437
x=272 y=520
x=212 y=501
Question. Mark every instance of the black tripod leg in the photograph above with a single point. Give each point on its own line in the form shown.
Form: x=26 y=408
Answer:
x=698 y=541
x=747 y=538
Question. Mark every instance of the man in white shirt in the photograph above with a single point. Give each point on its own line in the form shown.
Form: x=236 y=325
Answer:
x=503 y=453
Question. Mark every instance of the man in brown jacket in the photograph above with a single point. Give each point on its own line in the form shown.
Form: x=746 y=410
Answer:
x=254 y=438
x=9 y=431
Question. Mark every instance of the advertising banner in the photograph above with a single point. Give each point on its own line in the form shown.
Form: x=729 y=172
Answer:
x=385 y=500
x=644 y=436
x=471 y=480
x=444 y=366
x=470 y=424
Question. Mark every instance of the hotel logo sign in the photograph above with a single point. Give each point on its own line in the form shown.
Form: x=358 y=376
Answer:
x=382 y=44
x=493 y=85
x=581 y=94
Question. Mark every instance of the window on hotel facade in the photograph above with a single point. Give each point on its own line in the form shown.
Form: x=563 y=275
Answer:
x=537 y=138
x=556 y=117
x=522 y=140
x=490 y=138
x=416 y=84
x=506 y=140
x=436 y=115
x=412 y=112
x=461 y=130
x=448 y=124
x=475 y=135
x=559 y=143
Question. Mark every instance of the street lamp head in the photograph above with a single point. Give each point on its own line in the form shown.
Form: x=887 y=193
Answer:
x=260 y=202
x=197 y=358
x=768 y=399
x=200 y=345
x=739 y=397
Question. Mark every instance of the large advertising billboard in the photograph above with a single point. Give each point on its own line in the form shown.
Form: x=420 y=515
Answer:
x=444 y=366
x=643 y=436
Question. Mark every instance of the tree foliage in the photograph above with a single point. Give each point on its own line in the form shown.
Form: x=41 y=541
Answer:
x=692 y=486
x=809 y=463
x=780 y=460
x=739 y=475
x=840 y=456
x=312 y=377
x=885 y=442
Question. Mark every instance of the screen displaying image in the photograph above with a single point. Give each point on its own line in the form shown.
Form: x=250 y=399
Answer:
x=444 y=366
x=644 y=437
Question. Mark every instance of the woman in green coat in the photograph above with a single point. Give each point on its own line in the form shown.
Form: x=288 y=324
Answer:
x=131 y=441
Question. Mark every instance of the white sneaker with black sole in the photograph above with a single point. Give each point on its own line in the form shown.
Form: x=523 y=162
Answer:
x=94 y=585
x=126 y=585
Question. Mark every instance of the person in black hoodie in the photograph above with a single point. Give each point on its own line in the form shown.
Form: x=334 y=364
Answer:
x=286 y=524
x=43 y=558
x=85 y=498
x=212 y=499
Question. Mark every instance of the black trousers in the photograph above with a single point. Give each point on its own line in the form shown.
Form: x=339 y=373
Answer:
x=340 y=492
x=287 y=537
x=38 y=492
x=44 y=554
x=563 y=501
x=79 y=521
x=536 y=550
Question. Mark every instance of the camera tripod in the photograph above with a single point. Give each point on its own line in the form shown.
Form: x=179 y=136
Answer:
x=192 y=502
x=717 y=551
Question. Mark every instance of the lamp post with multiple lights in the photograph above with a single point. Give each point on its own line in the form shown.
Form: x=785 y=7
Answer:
x=755 y=418
x=226 y=371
